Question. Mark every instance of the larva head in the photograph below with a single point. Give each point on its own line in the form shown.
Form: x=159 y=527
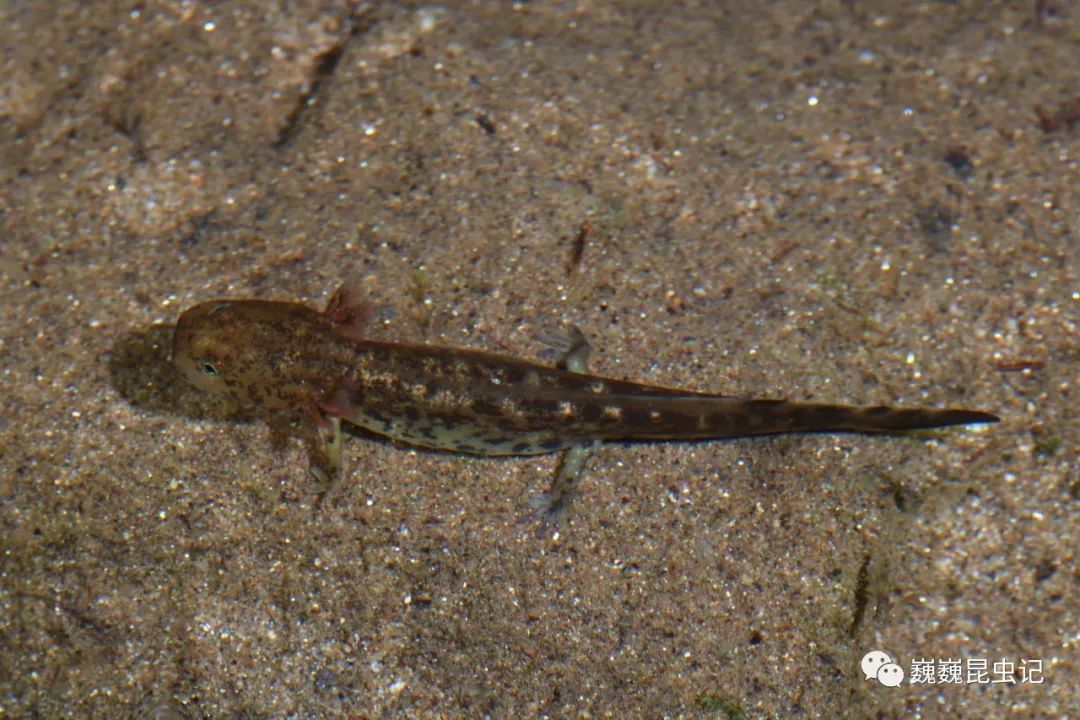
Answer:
x=257 y=352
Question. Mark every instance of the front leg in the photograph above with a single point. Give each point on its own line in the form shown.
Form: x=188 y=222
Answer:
x=325 y=447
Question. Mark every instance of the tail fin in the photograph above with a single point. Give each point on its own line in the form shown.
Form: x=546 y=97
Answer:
x=697 y=417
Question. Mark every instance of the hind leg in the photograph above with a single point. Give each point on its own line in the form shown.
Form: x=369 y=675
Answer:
x=570 y=344
x=550 y=506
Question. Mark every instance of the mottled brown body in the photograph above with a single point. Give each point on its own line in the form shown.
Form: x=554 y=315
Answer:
x=282 y=355
x=288 y=356
x=477 y=402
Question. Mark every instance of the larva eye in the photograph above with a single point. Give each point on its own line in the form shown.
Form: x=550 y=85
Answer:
x=208 y=368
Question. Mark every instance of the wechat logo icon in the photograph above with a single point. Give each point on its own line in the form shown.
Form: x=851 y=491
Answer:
x=877 y=665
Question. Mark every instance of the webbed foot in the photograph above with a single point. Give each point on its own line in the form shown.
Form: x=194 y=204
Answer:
x=551 y=507
x=571 y=346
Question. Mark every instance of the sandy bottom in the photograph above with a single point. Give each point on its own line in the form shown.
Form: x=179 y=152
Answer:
x=851 y=202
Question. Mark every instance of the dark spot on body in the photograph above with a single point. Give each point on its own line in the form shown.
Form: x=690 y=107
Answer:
x=412 y=414
x=552 y=445
x=591 y=412
x=482 y=407
x=542 y=405
x=447 y=423
x=515 y=375
x=521 y=447
x=823 y=416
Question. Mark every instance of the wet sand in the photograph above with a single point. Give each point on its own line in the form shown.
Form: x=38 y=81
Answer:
x=864 y=203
